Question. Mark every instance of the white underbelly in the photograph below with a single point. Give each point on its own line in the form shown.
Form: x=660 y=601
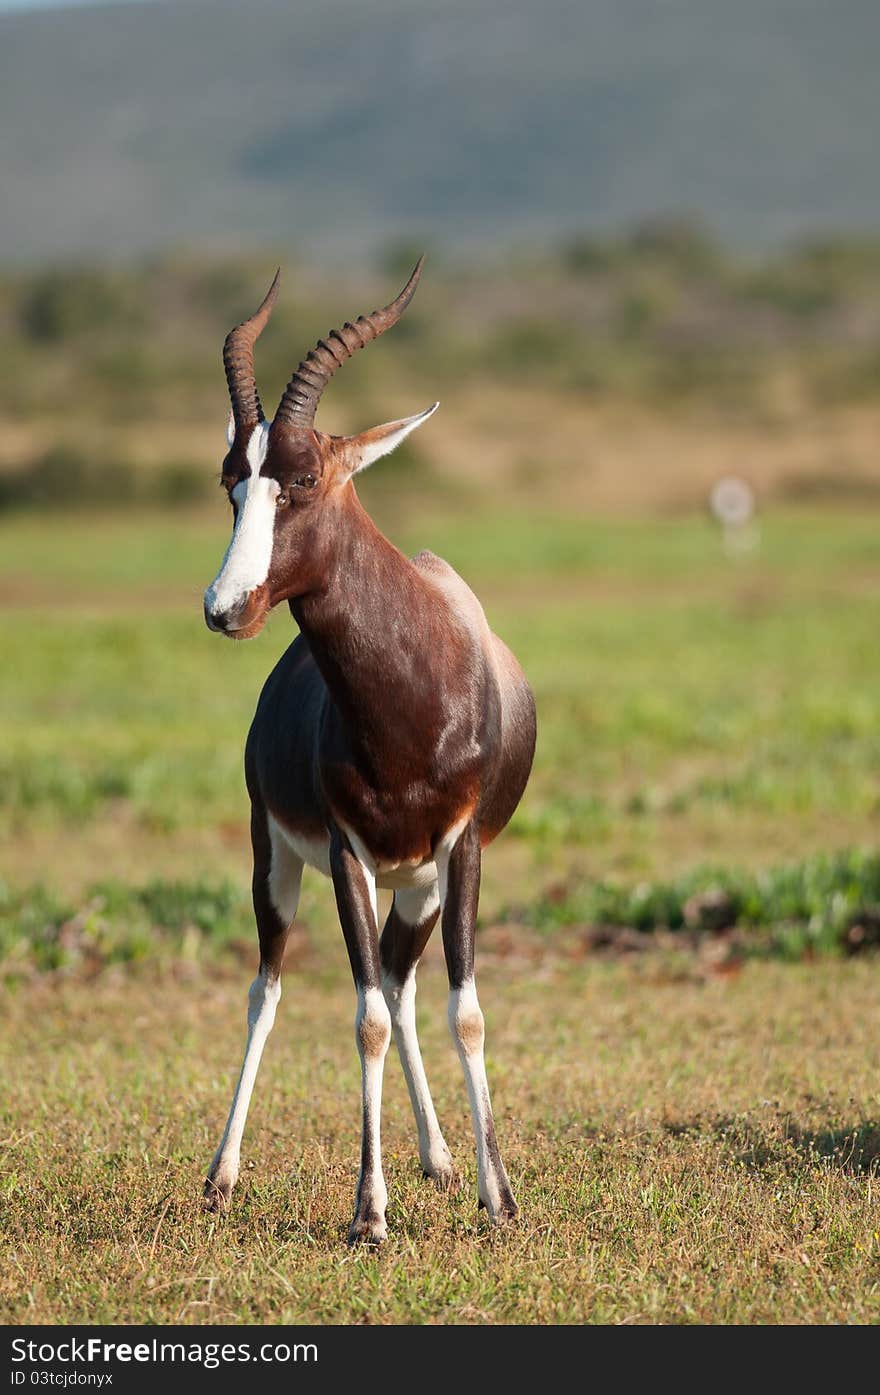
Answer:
x=315 y=852
x=400 y=878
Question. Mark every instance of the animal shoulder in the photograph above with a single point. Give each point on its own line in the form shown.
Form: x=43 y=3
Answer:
x=454 y=589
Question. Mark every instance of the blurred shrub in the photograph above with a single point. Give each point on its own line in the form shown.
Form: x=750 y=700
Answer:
x=399 y=258
x=67 y=477
x=816 y=276
x=66 y=304
x=114 y=923
x=843 y=377
x=814 y=902
x=660 y=312
x=534 y=345
x=590 y=256
x=723 y=375
x=682 y=243
x=182 y=484
x=226 y=291
x=833 y=485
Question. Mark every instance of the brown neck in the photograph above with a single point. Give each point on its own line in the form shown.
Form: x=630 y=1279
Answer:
x=371 y=624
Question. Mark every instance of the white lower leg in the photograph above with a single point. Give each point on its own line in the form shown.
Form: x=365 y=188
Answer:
x=434 y=1155
x=468 y=1031
x=373 y=1033
x=262 y=1002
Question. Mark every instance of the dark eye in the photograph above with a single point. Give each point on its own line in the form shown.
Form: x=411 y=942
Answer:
x=306 y=482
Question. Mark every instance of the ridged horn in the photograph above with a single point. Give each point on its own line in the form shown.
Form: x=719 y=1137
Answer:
x=238 y=360
x=297 y=407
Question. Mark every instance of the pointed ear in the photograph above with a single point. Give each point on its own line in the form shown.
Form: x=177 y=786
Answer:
x=360 y=451
x=230 y=429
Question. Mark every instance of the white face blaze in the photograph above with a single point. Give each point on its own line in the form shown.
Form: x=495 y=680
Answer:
x=249 y=554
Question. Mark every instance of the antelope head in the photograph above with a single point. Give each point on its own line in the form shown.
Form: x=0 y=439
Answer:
x=286 y=481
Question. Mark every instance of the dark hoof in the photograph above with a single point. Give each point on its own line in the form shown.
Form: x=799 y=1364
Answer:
x=445 y=1179
x=217 y=1196
x=370 y=1230
x=506 y=1211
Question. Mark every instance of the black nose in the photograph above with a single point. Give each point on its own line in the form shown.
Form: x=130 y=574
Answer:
x=217 y=620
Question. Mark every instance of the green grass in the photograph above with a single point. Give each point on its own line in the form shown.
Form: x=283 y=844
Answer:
x=114 y=923
x=685 y=1148
x=692 y=1137
x=788 y=911
x=691 y=708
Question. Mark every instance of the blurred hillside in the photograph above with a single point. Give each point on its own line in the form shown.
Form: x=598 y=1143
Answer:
x=613 y=374
x=125 y=128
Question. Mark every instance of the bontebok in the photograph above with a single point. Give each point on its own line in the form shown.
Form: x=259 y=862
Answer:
x=391 y=743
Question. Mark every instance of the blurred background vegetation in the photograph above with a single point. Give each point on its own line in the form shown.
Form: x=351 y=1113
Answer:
x=111 y=392
x=653 y=263
x=704 y=716
x=707 y=715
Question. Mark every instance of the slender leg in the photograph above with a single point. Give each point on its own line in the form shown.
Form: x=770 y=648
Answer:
x=355 y=888
x=411 y=919
x=276 y=884
x=459 y=895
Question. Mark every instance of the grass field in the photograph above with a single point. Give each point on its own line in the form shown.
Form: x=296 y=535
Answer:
x=683 y=1149
x=692 y=706
x=689 y=1141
